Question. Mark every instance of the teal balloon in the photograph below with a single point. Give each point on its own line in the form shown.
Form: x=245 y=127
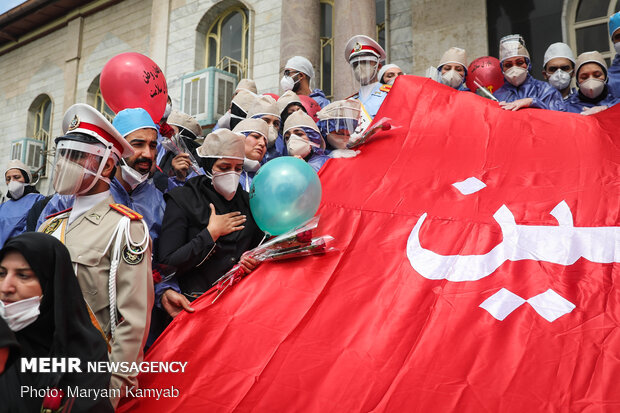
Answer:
x=285 y=193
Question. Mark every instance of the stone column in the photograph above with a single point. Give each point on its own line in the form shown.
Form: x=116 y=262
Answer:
x=158 y=43
x=351 y=17
x=75 y=30
x=299 y=34
x=460 y=23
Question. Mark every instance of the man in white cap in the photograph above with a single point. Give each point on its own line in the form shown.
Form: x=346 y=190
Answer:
x=453 y=68
x=559 y=68
x=22 y=195
x=388 y=74
x=298 y=72
x=365 y=57
x=108 y=242
x=521 y=90
x=593 y=94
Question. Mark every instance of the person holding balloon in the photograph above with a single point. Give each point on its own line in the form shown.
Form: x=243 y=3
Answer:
x=255 y=132
x=304 y=141
x=208 y=225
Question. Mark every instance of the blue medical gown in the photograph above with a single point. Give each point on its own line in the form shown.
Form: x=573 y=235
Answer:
x=544 y=96
x=13 y=214
x=576 y=102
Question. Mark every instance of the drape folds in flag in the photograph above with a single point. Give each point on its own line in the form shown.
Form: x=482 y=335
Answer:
x=361 y=330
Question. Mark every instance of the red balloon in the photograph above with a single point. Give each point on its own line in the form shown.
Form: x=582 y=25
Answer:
x=485 y=71
x=310 y=105
x=132 y=80
x=273 y=95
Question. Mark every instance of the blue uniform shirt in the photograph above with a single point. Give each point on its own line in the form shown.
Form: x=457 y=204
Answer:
x=373 y=101
x=544 y=96
x=13 y=215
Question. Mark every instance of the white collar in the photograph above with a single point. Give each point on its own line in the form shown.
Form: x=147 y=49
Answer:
x=84 y=203
x=366 y=90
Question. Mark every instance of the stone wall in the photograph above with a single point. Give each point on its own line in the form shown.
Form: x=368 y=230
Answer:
x=439 y=25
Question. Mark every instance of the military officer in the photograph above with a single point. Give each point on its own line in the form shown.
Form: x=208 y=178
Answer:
x=109 y=243
x=365 y=57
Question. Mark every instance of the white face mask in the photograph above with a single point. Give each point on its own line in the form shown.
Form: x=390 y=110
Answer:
x=250 y=165
x=559 y=79
x=288 y=83
x=72 y=177
x=226 y=183
x=452 y=78
x=298 y=146
x=515 y=75
x=272 y=136
x=617 y=47
x=132 y=177
x=20 y=314
x=364 y=72
x=592 y=87
x=16 y=189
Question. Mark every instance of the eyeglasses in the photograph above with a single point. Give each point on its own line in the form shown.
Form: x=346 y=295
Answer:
x=290 y=73
x=565 y=68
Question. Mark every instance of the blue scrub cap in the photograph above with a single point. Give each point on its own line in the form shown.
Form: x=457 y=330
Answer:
x=130 y=120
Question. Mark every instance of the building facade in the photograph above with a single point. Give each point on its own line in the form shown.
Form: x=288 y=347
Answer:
x=52 y=51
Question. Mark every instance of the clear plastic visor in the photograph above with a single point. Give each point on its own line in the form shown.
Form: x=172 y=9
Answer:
x=77 y=166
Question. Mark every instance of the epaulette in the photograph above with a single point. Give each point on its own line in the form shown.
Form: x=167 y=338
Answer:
x=125 y=210
x=58 y=213
x=385 y=88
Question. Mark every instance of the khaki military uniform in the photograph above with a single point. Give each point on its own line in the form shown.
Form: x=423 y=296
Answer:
x=88 y=239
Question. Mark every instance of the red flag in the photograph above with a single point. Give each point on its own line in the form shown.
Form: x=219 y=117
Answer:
x=511 y=307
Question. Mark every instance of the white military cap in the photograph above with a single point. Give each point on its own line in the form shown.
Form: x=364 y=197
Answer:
x=362 y=45
x=82 y=121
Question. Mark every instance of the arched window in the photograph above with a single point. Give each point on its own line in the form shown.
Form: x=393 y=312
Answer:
x=227 y=42
x=39 y=127
x=95 y=99
x=588 y=28
x=327 y=47
x=42 y=119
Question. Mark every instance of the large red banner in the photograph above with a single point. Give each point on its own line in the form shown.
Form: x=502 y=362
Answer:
x=477 y=273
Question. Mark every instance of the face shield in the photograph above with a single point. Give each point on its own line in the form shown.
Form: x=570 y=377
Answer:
x=78 y=166
x=338 y=123
x=365 y=68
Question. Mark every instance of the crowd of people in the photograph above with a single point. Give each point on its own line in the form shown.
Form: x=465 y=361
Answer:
x=147 y=215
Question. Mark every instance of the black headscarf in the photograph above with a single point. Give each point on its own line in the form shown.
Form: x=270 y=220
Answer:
x=63 y=329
